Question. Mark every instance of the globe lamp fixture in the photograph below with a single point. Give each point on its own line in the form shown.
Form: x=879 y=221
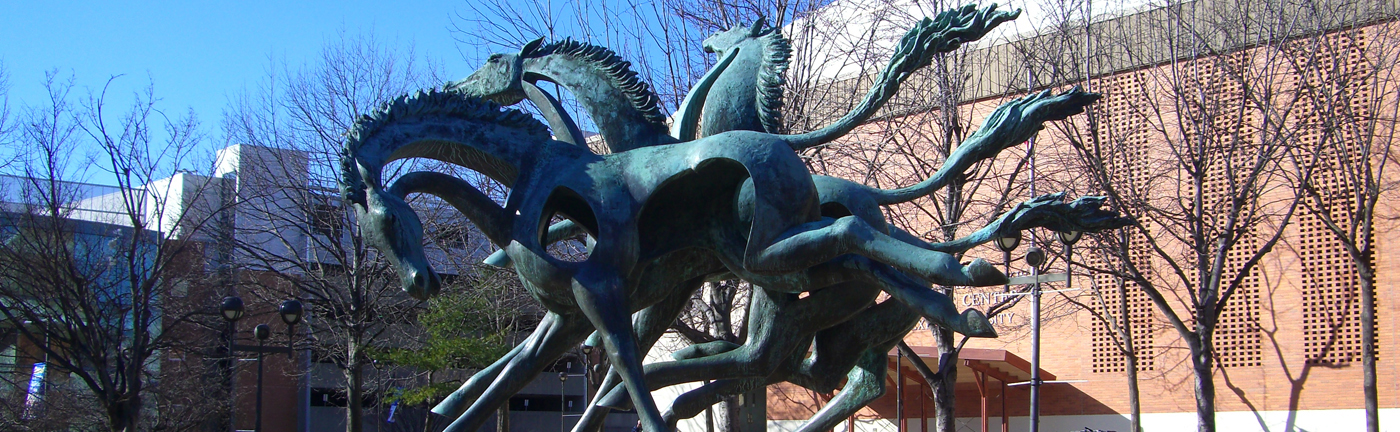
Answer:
x=231 y=308
x=291 y=311
x=1008 y=243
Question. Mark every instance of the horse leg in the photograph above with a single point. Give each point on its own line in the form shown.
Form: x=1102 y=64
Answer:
x=748 y=360
x=934 y=305
x=864 y=383
x=813 y=243
x=600 y=297
x=651 y=323
x=706 y=349
x=555 y=336
x=779 y=324
x=837 y=349
x=453 y=405
x=692 y=403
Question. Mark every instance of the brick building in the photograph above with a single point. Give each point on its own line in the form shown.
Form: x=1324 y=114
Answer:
x=1288 y=342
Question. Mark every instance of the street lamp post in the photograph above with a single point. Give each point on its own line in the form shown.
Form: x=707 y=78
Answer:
x=1035 y=257
x=587 y=373
x=1069 y=238
x=261 y=333
x=563 y=378
x=232 y=310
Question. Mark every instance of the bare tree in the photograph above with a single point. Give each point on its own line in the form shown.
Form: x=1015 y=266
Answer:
x=837 y=51
x=94 y=277
x=718 y=311
x=6 y=129
x=1353 y=107
x=1202 y=145
x=291 y=233
x=1062 y=50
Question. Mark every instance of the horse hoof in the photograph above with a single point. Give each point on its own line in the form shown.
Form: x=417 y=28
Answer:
x=976 y=324
x=982 y=273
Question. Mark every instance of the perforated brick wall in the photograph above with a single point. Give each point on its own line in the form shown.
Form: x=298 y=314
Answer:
x=1331 y=284
x=1127 y=143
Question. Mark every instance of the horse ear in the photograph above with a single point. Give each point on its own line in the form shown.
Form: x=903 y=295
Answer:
x=757 y=28
x=530 y=47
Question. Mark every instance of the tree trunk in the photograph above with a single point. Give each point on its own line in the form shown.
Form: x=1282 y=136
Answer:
x=727 y=415
x=1368 y=344
x=944 y=389
x=1134 y=404
x=125 y=414
x=1201 y=365
x=354 y=396
x=428 y=413
x=503 y=418
x=1125 y=327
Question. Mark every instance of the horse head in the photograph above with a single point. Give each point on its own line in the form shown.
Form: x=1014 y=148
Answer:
x=389 y=225
x=721 y=42
x=744 y=90
x=446 y=126
x=501 y=79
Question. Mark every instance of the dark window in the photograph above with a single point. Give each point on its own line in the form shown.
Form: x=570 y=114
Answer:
x=330 y=397
x=452 y=236
x=327 y=220
x=544 y=402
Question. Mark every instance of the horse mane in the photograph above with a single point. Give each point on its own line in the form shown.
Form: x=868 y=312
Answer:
x=619 y=71
x=772 y=76
x=430 y=102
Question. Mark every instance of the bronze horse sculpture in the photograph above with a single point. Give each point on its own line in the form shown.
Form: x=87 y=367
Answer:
x=782 y=242
x=763 y=346
x=548 y=177
x=584 y=51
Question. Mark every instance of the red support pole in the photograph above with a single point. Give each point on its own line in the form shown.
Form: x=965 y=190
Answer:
x=982 y=390
x=899 y=392
x=923 y=412
x=1005 y=426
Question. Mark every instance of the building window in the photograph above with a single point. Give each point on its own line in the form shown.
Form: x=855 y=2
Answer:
x=546 y=402
x=327 y=220
x=452 y=236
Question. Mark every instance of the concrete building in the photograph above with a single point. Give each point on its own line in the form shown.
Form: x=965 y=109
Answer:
x=265 y=200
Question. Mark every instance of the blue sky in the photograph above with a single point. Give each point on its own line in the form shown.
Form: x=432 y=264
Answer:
x=198 y=53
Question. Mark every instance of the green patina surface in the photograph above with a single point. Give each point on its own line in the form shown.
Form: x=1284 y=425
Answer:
x=718 y=196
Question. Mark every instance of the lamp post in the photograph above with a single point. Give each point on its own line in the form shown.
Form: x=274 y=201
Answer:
x=587 y=373
x=1035 y=257
x=563 y=378
x=232 y=309
x=261 y=333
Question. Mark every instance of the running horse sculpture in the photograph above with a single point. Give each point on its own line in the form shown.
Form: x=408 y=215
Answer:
x=744 y=92
x=738 y=202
